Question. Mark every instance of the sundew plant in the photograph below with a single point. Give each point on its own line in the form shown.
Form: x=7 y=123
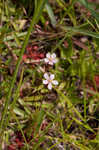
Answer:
x=49 y=75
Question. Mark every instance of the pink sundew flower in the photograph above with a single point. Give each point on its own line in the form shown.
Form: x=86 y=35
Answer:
x=50 y=59
x=49 y=80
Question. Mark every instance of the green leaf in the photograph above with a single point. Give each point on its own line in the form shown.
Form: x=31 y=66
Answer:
x=20 y=112
x=40 y=116
x=51 y=14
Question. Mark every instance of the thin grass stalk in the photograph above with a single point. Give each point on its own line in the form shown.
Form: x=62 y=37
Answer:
x=35 y=18
x=14 y=100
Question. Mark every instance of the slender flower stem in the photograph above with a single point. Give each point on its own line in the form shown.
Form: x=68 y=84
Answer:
x=33 y=61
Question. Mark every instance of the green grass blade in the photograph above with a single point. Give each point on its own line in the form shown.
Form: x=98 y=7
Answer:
x=66 y=99
x=51 y=14
x=40 y=117
x=73 y=109
x=35 y=18
x=81 y=31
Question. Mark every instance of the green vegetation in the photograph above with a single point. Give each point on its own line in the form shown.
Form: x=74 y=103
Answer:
x=49 y=75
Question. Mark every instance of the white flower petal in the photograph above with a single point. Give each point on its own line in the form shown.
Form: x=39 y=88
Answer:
x=55 y=61
x=46 y=60
x=52 y=76
x=48 y=55
x=50 y=62
x=55 y=82
x=46 y=76
x=50 y=58
x=49 y=86
x=53 y=55
x=45 y=82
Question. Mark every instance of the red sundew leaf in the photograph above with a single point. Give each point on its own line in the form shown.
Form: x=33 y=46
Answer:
x=66 y=44
x=21 y=93
x=44 y=125
x=29 y=48
x=35 y=47
x=46 y=23
x=41 y=55
x=36 y=58
x=35 y=55
x=32 y=53
x=24 y=57
x=91 y=88
x=20 y=144
x=12 y=147
x=17 y=140
x=96 y=79
x=32 y=48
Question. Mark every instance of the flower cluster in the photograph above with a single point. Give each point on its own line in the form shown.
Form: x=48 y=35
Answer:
x=50 y=59
x=49 y=78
